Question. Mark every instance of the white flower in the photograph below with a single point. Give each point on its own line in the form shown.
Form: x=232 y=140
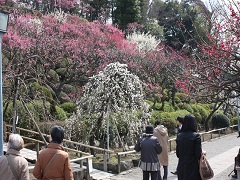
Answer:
x=144 y=41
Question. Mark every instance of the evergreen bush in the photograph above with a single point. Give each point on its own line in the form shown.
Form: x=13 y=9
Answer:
x=69 y=107
x=186 y=107
x=183 y=97
x=220 y=121
x=60 y=114
x=170 y=124
x=177 y=100
x=234 y=120
x=42 y=91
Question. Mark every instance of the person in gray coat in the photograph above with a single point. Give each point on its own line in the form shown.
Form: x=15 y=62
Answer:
x=150 y=148
x=12 y=165
x=188 y=150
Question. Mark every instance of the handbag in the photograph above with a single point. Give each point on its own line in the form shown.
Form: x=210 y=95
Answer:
x=205 y=169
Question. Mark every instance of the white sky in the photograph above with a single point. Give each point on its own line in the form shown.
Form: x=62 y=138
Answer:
x=217 y=3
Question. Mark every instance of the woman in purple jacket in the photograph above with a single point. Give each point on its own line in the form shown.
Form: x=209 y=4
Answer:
x=150 y=148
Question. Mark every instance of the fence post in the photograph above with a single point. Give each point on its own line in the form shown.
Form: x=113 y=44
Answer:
x=119 y=163
x=37 y=148
x=170 y=143
x=81 y=173
x=88 y=170
x=105 y=161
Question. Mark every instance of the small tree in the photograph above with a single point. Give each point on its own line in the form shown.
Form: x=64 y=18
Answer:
x=111 y=97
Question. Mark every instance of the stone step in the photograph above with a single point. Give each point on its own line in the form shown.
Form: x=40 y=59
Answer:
x=100 y=175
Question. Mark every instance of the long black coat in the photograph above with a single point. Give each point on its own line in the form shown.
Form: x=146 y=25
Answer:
x=188 y=151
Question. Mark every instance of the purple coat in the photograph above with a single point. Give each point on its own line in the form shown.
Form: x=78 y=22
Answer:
x=150 y=148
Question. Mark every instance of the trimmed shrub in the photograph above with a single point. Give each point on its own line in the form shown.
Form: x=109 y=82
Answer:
x=168 y=107
x=186 y=107
x=37 y=109
x=53 y=76
x=170 y=124
x=234 y=120
x=69 y=107
x=42 y=91
x=183 y=97
x=60 y=114
x=177 y=100
x=198 y=117
x=64 y=97
x=67 y=88
x=220 y=121
x=201 y=112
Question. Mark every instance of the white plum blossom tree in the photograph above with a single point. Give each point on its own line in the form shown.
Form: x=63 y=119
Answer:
x=144 y=41
x=113 y=99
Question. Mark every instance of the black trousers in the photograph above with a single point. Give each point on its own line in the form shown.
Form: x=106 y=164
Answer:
x=235 y=164
x=155 y=175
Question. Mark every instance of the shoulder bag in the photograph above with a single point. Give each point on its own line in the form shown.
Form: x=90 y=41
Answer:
x=205 y=169
x=43 y=171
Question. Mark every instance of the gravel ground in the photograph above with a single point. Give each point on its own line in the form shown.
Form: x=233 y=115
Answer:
x=213 y=148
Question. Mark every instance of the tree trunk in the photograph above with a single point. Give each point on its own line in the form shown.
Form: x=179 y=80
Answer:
x=173 y=98
x=216 y=107
x=15 y=105
x=154 y=102
x=35 y=123
x=94 y=134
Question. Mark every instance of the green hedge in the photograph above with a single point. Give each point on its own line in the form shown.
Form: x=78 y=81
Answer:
x=220 y=121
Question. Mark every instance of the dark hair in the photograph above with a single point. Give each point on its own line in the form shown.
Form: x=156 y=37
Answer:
x=149 y=129
x=157 y=122
x=57 y=134
x=180 y=119
x=190 y=123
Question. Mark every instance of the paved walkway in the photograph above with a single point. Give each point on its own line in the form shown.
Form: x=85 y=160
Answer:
x=220 y=153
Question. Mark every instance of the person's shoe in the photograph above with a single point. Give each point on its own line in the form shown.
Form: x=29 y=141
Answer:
x=234 y=176
x=174 y=173
x=238 y=134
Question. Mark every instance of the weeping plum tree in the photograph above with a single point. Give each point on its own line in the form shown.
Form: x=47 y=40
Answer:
x=114 y=103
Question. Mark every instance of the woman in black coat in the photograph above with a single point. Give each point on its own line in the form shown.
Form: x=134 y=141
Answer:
x=188 y=150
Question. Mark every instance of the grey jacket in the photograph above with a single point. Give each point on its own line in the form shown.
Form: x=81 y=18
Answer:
x=20 y=165
x=150 y=148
